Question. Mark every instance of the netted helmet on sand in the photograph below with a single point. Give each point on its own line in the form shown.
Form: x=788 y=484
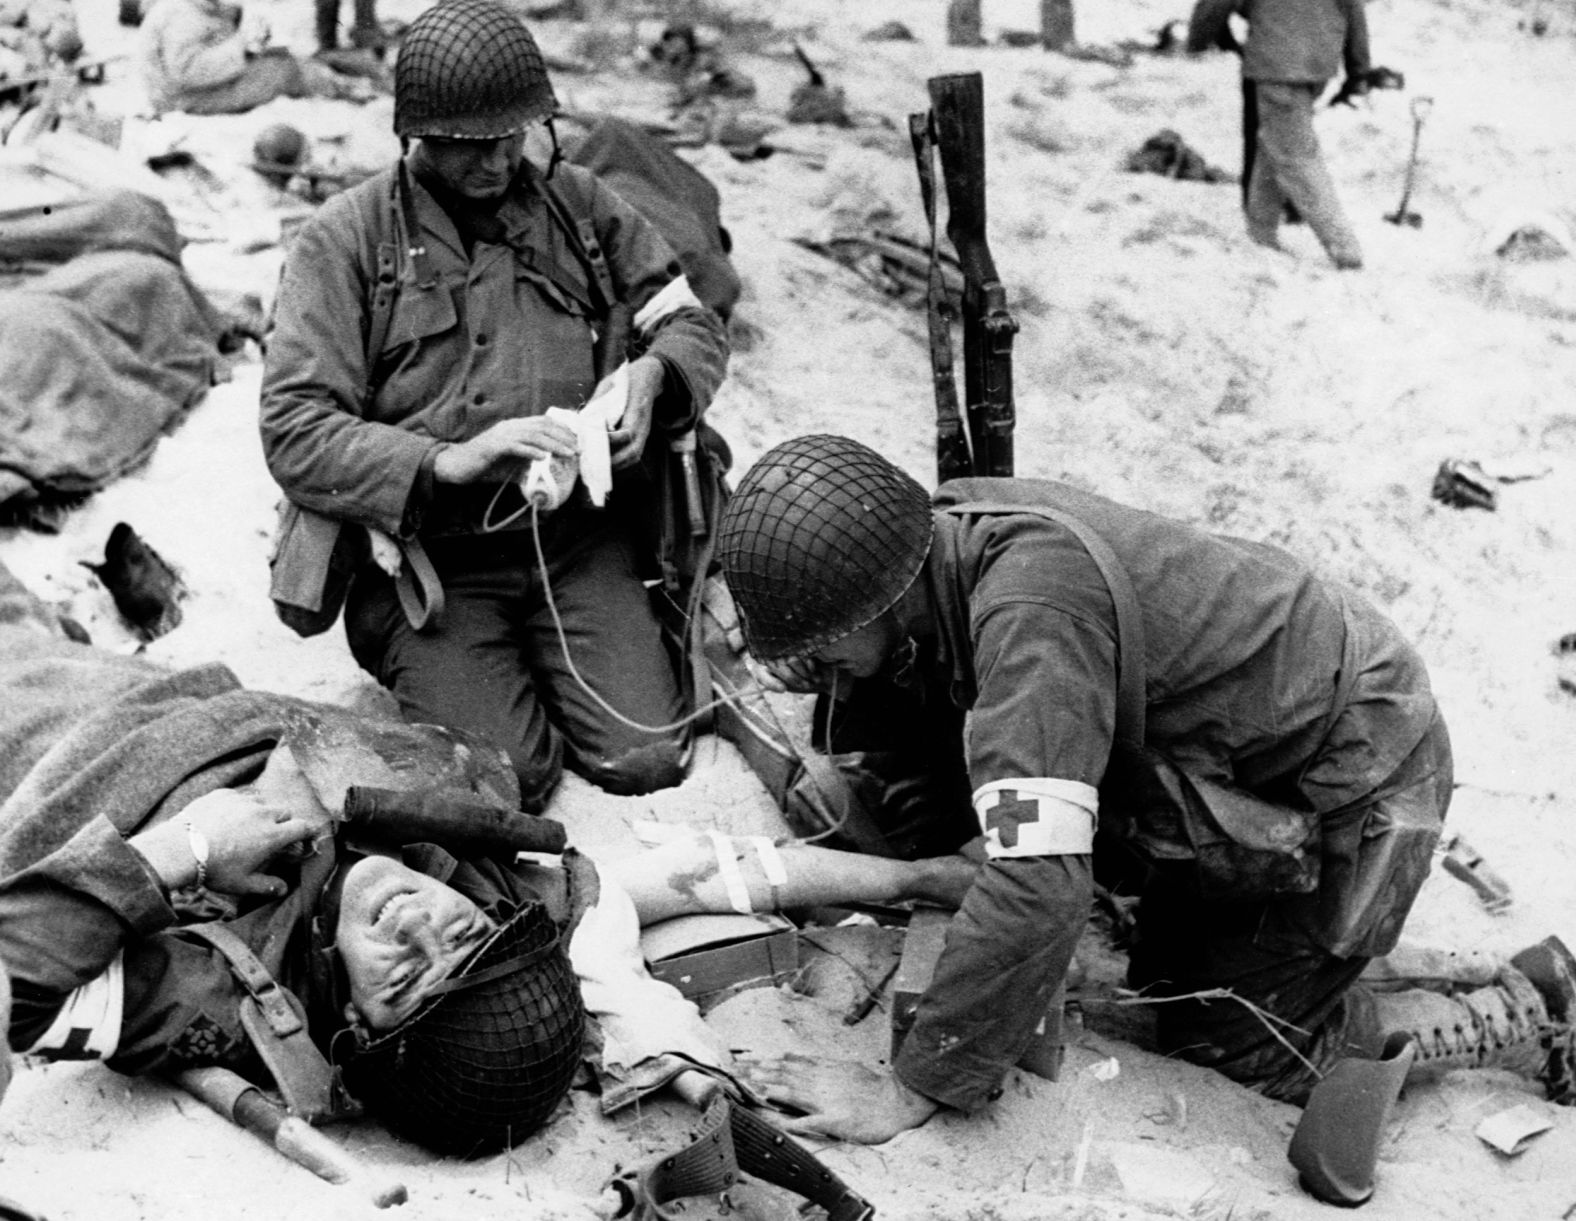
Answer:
x=486 y=1060
x=822 y=536
x=279 y=147
x=469 y=69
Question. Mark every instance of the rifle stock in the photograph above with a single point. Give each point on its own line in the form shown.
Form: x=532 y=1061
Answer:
x=958 y=110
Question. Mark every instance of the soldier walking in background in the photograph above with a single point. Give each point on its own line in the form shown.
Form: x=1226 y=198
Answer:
x=1293 y=49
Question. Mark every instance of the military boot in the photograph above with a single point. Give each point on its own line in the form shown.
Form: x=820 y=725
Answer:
x=1411 y=965
x=1551 y=967
x=1508 y=1024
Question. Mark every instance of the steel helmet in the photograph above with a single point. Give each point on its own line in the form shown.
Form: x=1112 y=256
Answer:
x=822 y=536
x=278 y=152
x=469 y=69
x=487 y=1059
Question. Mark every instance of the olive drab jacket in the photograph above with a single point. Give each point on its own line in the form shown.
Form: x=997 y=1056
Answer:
x=1276 y=710
x=505 y=331
x=1301 y=41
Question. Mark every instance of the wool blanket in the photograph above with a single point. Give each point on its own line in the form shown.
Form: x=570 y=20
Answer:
x=106 y=344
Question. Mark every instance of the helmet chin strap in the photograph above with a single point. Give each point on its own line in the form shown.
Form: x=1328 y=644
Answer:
x=558 y=152
x=901 y=666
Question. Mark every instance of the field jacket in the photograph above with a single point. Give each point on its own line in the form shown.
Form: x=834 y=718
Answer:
x=504 y=332
x=1274 y=705
x=1293 y=41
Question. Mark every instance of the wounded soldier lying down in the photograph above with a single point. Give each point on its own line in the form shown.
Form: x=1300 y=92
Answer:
x=166 y=854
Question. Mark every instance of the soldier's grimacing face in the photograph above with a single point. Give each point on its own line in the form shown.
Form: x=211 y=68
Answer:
x=400 y=932
x=476 y=169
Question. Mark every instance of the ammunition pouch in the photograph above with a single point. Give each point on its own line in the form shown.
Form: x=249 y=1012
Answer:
x=310 y=568
x=314 y=559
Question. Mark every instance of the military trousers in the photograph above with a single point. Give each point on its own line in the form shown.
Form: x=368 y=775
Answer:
x=496 y=666
x=1288 y=166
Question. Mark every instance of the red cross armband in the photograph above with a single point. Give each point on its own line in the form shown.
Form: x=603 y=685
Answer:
x=1036 y=816
x=88 y=1024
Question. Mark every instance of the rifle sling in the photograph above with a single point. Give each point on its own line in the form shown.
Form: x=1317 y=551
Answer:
x=952 y=447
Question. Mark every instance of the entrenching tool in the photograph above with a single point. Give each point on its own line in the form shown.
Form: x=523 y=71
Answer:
x=247 y=1106
x=1402 y=216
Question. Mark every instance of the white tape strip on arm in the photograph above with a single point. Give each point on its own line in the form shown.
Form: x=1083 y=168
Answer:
x=88 y=1024
x=675 y=295
x=1037 y=816
x=730 y=873
x=771 y=860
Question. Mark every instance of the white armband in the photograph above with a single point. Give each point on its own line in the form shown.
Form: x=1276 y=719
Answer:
x=675 y=295
x=1037 y=816
x=88 y=1024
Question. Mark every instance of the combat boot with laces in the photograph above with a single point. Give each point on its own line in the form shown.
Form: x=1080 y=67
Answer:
x=1508 y=1025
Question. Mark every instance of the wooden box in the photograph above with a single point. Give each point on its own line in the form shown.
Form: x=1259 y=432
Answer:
x=710 y=957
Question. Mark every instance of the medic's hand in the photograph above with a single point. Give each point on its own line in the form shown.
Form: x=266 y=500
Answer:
x=628 y=440
x=503 y=449
x=244 y=833
x=843 y=1099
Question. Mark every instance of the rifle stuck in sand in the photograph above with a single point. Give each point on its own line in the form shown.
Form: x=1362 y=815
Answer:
x=979 y=439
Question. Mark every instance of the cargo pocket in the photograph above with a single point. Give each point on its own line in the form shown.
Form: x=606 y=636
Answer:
x=418 y=315
x=1239 y=845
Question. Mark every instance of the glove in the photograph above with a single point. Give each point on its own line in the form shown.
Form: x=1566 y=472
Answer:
x=1360 y=83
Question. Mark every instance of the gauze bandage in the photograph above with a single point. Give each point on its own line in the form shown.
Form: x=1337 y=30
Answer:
x=592 y=424
x=1036 y=816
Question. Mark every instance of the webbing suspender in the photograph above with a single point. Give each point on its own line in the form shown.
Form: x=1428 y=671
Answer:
x=1129 y=621
x=272 y=1018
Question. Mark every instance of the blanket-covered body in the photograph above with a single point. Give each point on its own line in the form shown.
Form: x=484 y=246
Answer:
x=106 y=345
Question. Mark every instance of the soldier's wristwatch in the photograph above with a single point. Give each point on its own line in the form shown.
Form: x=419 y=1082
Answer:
x=199 y=847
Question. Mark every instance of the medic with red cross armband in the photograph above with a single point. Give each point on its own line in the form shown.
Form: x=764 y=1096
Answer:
x=1077 y=687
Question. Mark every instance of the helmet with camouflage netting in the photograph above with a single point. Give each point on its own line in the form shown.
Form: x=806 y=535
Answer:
x=822 y=536
x=488 y=1057
x=470 y=70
